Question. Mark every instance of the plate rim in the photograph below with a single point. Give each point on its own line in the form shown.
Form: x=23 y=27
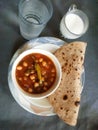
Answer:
x=28 y=108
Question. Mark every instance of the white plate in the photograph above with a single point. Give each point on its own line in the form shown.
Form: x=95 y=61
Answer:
x=42 y=106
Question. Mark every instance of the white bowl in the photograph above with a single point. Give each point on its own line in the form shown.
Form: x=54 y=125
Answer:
x=58 y=72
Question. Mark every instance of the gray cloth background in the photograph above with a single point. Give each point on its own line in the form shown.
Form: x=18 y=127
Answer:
x=14 y=117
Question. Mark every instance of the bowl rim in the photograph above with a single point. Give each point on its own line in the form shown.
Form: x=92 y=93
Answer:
x=58 y=77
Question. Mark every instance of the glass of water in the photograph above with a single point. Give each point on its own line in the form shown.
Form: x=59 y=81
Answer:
x=33 y=17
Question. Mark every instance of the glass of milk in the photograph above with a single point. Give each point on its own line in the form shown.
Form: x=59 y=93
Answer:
x=33 y=17
x=74 y=23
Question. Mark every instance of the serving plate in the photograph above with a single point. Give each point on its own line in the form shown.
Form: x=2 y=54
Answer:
x=35 y=106
x=39 y=107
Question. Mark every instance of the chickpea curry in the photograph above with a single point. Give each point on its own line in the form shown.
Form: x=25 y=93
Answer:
x=35 y=73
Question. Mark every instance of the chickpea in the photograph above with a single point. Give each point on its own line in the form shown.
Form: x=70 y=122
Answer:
x=32 y=77
x=45 y=88
x=26 y=85
x=19 y=67
x=45 y=83
x=25 y=78
x=44 y=63
x=51 y=79
x=43 y=72
x=47 y=66
x=43 y=79
x=30 y=90
x=33 y=80
x=20 y=79
x=41 y=59
x=32 y=71
x=25 y=64
x=36 y=61
x=27 y=74
x=53 y=70
x=36 y=84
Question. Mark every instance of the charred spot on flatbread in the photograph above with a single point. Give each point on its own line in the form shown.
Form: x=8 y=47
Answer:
x=65 y=97
x=77 y=103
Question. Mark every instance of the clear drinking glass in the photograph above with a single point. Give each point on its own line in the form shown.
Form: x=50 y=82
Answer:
x=74 y=23
x=33 y=17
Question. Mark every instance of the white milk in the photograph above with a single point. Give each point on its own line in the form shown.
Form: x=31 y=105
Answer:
x=72 y=26
x=74 y=23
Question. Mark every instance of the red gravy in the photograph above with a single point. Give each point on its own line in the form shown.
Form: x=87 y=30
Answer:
x=35 y=73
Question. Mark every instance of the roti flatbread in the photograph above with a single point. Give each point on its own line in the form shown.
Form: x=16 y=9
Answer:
x=66 y=99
